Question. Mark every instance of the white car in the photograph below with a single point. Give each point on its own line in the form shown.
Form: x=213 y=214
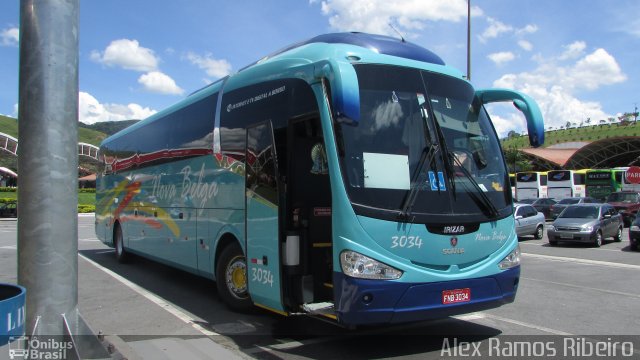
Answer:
x=528 y=221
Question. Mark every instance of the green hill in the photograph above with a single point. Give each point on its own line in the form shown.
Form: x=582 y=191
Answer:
x=9 y=126
x=109 y=127
x=581 y=134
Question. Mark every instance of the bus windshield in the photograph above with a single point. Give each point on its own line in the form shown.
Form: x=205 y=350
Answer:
x=381 y=154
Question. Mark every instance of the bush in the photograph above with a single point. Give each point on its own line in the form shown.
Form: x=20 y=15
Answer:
x=7 y=201
x=82 y=208
x=8 y=189
x=87 y=190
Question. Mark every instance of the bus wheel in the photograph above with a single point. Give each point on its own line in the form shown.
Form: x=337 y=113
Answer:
x=231 y=278
x=121 y=253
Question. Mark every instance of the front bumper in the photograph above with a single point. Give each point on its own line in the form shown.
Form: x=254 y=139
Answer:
x=360 y=301
x=583 y=237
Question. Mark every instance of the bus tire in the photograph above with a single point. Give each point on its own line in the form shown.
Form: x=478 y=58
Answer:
x=231 y=278
x=121 y=254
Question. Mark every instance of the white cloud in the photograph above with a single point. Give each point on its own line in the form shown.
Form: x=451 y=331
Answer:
x=158 y=82
x=554 y=87
x=9 y=37
x=92 y=111
x=573 y=50
x=494 y=30
x=529 y=29
x=525 y=45
x=505 y=118
x=374 y=16
x=216 y=68
x=127 y=54
x=497 y=28
x=15 y=111
x=501 y=58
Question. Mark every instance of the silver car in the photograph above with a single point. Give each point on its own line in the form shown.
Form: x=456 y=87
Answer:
x=528 y=221
x=590 y=223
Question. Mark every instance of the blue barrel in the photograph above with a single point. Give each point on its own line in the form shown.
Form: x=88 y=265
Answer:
x=12 y=312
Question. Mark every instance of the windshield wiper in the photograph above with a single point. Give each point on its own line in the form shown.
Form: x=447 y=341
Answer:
x=448 y=167
x=428 y=153
x=483 y=198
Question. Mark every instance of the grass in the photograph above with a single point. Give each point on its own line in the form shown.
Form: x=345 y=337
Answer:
x=83 y=198
x=9 y=126
x=582 y=134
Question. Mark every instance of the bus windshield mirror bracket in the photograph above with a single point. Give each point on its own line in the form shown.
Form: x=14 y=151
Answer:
x=522 y=102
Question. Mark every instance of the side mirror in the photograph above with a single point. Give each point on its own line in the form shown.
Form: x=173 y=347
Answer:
x=607 y=216
x=522 y=102
x=345 y=94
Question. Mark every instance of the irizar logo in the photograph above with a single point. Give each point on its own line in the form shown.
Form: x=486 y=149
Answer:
x=455 y=229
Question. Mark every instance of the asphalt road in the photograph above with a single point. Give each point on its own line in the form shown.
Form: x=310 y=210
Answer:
x=569 y=295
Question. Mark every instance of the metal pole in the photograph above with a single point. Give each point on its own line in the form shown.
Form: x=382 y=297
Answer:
x=469 y=40
x=48 y=162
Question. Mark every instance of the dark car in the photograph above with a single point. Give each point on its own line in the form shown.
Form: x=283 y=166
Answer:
x=634 y=235
x=542 y=205
x=590 y=223
x=557 y=208
x=627 y=203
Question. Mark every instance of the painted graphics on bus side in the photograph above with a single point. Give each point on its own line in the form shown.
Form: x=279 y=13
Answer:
x=152 y=197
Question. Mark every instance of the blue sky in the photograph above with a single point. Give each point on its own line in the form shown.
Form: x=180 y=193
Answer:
x=578 y=58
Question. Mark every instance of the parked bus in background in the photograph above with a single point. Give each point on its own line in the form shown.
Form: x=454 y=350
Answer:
x=566 y=183
x=294 y=183
x=599 y=183
x=531 y=185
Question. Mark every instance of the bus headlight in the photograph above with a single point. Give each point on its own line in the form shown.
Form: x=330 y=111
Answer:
x=359 y=266
x=512 y=260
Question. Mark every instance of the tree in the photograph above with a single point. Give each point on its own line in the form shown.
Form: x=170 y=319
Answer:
x=512 y=134
x=516 y=161
x=568 y=125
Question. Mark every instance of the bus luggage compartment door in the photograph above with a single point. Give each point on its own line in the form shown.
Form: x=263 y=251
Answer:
x=262 y=234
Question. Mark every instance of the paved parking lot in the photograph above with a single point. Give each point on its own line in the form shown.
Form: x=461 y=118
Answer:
x=152 y=311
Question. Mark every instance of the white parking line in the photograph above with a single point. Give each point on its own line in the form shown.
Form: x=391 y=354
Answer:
x=613 y=292
x=531 y=326
x=583 y=261
x=171 y=308
x=10 y=247
x=596 y=249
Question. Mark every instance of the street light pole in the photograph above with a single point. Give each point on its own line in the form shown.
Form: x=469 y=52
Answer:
x=469 y=40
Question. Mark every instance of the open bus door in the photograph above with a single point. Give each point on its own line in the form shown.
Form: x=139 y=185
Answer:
x=262 y=219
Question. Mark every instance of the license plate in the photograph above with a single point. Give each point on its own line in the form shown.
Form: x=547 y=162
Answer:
x=456 y=296
x=566 y=236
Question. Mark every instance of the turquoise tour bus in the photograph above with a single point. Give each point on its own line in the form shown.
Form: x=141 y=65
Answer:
x=353 y=177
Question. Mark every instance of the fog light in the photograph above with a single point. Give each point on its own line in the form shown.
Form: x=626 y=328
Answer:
x=367 y=298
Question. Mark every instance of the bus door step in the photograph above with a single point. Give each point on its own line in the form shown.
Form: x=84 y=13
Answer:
x=323 y=308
